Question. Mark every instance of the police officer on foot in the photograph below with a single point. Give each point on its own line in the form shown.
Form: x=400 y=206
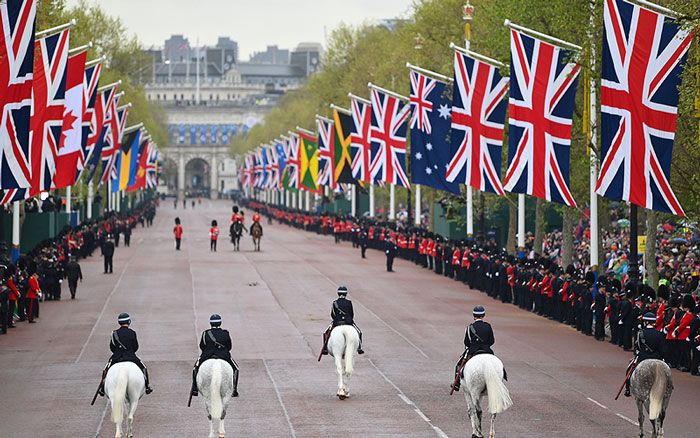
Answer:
x=124 y=345
x=478 y=339
x=649 y=344
x=342 y=314
x=215 y=343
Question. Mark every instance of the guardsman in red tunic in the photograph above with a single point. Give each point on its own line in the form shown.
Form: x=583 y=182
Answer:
x=682 y=334
x=456 y=259
x=256 y=217
x=422 y=252
x=466 y=264
x=213 y=236
x=33 y=292
x=177 y=232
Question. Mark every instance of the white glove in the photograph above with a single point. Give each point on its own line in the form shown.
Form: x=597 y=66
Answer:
x=619 y=322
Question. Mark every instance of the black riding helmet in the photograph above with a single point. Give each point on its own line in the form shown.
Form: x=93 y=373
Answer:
x=124 y=318
x=215 y=320
x=479 y=311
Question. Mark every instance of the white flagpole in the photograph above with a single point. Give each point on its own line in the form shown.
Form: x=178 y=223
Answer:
x=353 y=200
x=15 y=231
x=307 y=197
x=593 y=176
x=418 y=206
x=521 y=220
x=89 y=201
x=68 y=195
x=468 y=16
x=371 y=200
x=392 y=201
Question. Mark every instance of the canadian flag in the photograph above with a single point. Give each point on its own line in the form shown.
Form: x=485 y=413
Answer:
x=70 y=148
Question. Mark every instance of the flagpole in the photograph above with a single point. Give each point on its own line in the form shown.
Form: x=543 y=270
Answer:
x=593 y=176
x=307 y=197
x=371 y=200
x=15 y=231
x=521 y=220
x=392 y=201
x=418 y=207
x=88 y=213
x=353 y=200
x=468 y=15
x=68 y=195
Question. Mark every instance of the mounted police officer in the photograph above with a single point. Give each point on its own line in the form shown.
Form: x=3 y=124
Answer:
x=342 y=314
x=215 y=344
x=124 y=345
x=649 y=344
x=478 y=339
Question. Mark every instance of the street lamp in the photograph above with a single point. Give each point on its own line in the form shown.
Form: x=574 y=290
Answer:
x=467 y=16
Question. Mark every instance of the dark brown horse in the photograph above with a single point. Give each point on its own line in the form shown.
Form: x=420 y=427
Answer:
x=256 y=231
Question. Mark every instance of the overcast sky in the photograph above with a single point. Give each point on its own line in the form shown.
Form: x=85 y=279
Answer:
x=255 y=24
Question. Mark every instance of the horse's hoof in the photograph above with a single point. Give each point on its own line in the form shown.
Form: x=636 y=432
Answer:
x=342 y=396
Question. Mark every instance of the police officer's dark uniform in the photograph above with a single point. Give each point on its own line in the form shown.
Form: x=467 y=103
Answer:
x=342 y=314
x=73 y=273
x=124 y=344
x=649 y=344
x=390 y=251
x=215 y=343
x=108 y=253
x=478 y=339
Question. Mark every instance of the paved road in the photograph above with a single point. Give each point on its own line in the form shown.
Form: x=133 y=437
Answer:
x=276 y=303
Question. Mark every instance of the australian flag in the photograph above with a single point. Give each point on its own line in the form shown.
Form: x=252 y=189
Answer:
x=430 y=133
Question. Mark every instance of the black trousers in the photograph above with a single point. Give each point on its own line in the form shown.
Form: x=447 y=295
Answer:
x=695 y=358
x=212 y=245
x=72 y=286
x=177 y=243
x=390 y=263
x=108 y=264
x=363 y=249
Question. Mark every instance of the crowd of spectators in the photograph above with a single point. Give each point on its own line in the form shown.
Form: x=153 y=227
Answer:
x=39 y=274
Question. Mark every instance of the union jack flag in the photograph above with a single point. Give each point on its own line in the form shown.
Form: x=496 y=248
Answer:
x=267 y=165
x=541 y=106
x=275 y=181
x=48 y=92
x=152 y=166
x=643 y=56
x=115 y=123
x=103 y=115
x=16 y=73
x=246 y=172
x=388 y=136
x=422 y=106
x=292 y=145
x=360 y=145
x=90 y=84
x=326 y=143
x=259 y=169
x=478 y=115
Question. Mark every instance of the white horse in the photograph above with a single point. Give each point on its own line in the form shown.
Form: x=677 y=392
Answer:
x=342 y=345
x=484 y=374
x=215 y=384
x=124 y=385
x=651 y=385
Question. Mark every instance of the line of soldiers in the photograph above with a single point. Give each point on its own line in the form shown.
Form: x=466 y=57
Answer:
x=583 y=299
x=39 y=275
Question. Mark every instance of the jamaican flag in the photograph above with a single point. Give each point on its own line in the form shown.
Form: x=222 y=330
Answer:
x=342 y=160
x=308 y=162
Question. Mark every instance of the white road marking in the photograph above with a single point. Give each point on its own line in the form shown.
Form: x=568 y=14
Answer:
x=194 y=302
x=279 y=398
x=409 y=402
x=104 y=308
x=627 y=419
x=602 y=406
x=102 y=419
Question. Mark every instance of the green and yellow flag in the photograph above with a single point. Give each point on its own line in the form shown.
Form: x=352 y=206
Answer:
x=308 y=162
x=342 y=160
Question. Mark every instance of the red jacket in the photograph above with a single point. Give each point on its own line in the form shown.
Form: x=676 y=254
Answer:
x=456 y=255
x=547 y=286
x=466 y=261
x=34 y=288
x=214 y=233
x=177 y=231
x=683 y=329
x=660 y=316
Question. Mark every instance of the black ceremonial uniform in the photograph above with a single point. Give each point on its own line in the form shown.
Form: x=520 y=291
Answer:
x=217 y=348
x=124 y=346
x=479 y=338
x=649 y=344
x=342 y=312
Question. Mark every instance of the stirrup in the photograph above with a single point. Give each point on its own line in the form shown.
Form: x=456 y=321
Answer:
x=360 y=351
x=101 y=392
x=149 y=390
x=455 y=387
x=627 y=393
x=235 y=393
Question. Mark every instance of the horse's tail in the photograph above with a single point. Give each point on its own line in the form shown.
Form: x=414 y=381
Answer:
x=499 y=397
x=119 y=395
x=350 y=349
x=657 y=392
x=215 y=388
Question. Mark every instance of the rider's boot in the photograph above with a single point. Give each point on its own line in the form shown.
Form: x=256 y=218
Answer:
x=627 y=388
x=194 y=391
x=326 y=335
x=101 y=387
x=235 y=382
x=148 y=386
x=359 y=348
